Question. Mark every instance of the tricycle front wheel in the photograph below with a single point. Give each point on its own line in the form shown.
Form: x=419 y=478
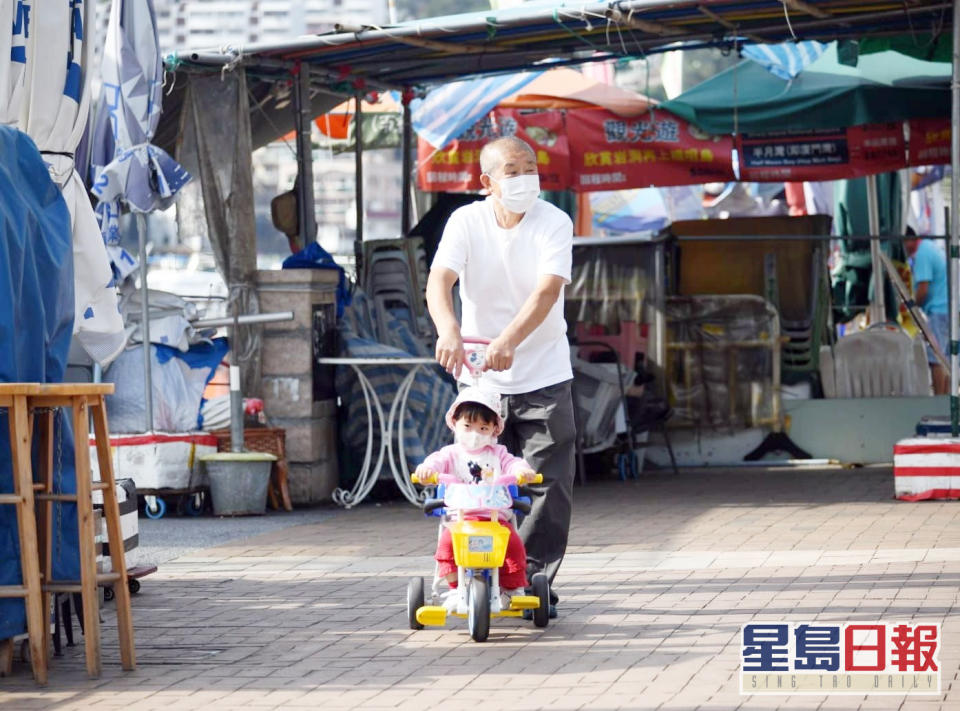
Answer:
x=478 y=614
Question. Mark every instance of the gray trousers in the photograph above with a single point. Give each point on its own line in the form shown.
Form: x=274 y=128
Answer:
x=540 y=428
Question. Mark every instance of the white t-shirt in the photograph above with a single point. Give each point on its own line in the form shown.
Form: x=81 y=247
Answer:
x=498 y=271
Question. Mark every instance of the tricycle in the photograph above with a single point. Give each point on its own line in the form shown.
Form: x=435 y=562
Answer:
x=475 y=515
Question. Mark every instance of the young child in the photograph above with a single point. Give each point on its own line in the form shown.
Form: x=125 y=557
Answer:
x=474 y=457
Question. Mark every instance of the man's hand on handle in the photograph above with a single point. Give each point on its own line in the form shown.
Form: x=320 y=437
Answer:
x=499 y=354
x=450 y=353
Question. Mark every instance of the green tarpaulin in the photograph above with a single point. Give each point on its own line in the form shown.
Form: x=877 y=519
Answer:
x=883 y=87
x=922 y=46
x=853 y=284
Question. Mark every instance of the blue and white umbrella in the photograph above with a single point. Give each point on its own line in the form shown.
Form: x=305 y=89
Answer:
x=451 y=109
x=44 y=73
x=787 y=59
x=640 y=210
x=127 y=169
x=14 y=14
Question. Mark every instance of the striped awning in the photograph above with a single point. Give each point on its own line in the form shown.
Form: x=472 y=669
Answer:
x=453 y=108
x=787 y=59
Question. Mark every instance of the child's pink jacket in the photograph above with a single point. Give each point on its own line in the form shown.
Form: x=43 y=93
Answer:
x=454 y=459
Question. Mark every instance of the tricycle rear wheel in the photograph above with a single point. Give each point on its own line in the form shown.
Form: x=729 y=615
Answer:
x=541 y=588
x=414 y=602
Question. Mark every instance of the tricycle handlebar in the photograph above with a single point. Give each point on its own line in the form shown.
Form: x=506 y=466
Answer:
x=444 y=478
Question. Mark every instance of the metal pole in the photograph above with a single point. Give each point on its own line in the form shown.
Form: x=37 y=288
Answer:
x=954 y=251
x=145 y=322
x=272 y=317
x=407 y=197
x=358 y=188
x=878 y=307
x=236 y=397
x=306 y=212
x=660 y=317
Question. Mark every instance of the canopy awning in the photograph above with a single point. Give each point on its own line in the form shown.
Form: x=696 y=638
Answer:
x=565 y=88
x=535 y=35
x=882 y=87
x=444 y=48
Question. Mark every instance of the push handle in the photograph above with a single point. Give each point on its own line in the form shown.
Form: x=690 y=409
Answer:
x=475 y=349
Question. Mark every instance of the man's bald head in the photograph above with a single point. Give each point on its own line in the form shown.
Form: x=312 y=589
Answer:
x=507 y=150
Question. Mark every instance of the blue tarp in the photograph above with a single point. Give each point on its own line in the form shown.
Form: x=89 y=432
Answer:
x=207 y=355
x=431 y=394
x=36 y=324
x=313 y=256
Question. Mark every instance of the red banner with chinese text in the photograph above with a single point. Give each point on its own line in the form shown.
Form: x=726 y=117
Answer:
x=929 y=142
x=826 y=154
x=456 y=168
x=609 y=152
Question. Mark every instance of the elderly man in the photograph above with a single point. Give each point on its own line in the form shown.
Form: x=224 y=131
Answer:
x=512 y=254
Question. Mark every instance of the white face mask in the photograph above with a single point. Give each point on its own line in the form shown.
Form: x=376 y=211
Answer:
x=519 y=193
x=472 y=441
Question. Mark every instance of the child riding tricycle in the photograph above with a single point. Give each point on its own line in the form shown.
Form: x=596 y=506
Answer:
x=479 y=554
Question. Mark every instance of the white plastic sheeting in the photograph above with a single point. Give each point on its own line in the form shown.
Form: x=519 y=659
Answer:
x=177 y=391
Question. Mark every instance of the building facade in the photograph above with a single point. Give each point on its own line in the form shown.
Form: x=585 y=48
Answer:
x=205 y=24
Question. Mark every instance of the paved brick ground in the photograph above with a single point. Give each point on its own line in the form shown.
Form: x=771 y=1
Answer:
x=659 y=577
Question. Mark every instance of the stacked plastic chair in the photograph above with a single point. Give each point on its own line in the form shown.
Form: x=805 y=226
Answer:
x=801 y=350
x=395 y=278
x=882 y=361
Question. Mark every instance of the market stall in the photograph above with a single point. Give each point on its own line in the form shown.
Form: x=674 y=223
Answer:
x=424 y=53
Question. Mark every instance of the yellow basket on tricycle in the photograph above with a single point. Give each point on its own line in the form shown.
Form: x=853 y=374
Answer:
x=479 y=544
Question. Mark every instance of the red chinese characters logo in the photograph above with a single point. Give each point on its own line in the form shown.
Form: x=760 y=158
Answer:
x=902 y=648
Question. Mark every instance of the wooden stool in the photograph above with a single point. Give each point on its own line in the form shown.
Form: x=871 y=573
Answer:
x=84 y=399
x=22 y=497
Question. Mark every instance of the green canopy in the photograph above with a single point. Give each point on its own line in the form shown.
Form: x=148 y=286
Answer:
x=930 y=48
x=883 y=87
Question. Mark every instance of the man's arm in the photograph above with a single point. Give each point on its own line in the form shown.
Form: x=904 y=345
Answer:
x=922 y=291
x=501 y=350
x=449 y=351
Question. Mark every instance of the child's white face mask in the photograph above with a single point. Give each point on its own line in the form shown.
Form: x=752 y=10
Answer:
x=472 y=441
